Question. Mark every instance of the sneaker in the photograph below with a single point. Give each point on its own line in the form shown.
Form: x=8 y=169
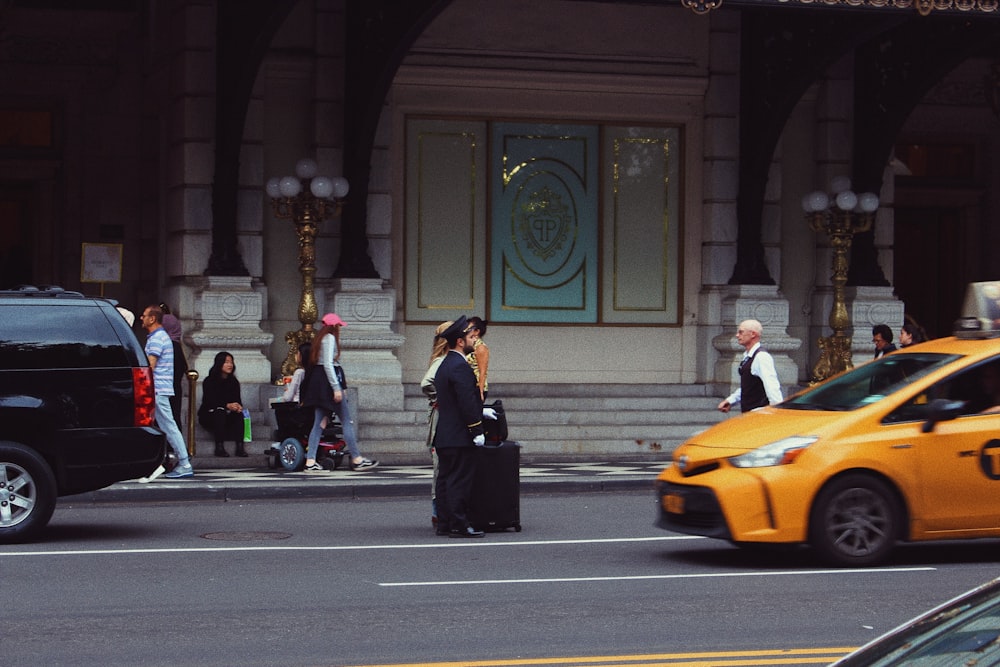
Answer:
x=153 y=475
x=313 y=467
x=180 y=472
x=366 y=464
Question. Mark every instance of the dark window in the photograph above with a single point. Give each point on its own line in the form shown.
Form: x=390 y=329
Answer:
x=869 y=383
x=49 y=336
x=978 y=387
x=939 y=162
x=26 y=129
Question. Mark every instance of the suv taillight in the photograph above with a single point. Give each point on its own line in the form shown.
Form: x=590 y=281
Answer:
x=145 y=401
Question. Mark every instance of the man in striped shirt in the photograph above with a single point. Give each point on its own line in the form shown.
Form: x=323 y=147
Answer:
x=160 y=352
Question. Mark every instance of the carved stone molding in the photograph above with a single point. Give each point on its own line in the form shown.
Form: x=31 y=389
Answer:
x=871 y=306
x=228 y=313
x=369 y=342
x=765 y=304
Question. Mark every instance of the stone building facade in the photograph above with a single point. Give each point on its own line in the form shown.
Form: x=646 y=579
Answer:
x=613 y=185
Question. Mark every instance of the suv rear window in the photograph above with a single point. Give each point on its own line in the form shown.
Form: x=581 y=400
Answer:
x=44 y=336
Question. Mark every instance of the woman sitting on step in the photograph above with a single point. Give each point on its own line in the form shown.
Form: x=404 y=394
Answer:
x=221 y=411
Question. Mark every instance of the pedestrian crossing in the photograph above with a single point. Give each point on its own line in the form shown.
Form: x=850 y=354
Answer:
x=570 y=471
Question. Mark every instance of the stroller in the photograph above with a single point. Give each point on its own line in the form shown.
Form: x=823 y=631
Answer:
x=292 y=438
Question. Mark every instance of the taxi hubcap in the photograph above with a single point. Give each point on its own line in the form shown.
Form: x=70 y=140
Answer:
x=857 y=521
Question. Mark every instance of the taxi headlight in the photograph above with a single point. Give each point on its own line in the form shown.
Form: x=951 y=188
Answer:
x=778 y=453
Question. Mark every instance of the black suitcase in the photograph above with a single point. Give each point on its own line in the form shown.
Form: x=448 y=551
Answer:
x=495 y=430
x=496 y=491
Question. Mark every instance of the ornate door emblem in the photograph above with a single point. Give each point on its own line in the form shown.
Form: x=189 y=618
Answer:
x=544 y=223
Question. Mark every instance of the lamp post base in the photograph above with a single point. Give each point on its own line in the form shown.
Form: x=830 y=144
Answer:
x=294 y=339
x=834 y=357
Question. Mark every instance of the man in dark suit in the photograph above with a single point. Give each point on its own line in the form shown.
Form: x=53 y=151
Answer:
x=882 y=337
x=459 y=432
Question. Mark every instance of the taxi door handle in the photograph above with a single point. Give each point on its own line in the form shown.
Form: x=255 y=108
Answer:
x=902 y=446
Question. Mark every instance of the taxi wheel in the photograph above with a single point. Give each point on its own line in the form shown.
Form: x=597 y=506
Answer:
x=854 y=521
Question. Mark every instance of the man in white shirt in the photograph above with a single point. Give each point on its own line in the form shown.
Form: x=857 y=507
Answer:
x=759 y=384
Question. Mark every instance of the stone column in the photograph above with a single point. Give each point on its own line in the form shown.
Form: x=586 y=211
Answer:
x=227 y=314
x=720 y=185
x=368 y=341
x=765 y=304
x=869 y=306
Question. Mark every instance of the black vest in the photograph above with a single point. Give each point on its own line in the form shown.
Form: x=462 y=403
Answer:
x=752 y=394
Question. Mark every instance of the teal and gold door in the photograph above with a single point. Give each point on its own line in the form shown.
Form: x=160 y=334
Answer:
x=543 y=223
x=543 y=250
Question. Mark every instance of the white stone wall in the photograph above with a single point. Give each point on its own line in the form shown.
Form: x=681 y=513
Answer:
x=622 y=64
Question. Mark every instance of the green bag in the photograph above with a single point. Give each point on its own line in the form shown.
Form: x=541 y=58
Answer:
x=247 y=431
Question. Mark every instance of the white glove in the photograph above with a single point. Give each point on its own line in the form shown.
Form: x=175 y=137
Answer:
x=489 y=413
x=479 y=440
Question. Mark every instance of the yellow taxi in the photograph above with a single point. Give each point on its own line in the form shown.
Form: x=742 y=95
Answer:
x=905 y=447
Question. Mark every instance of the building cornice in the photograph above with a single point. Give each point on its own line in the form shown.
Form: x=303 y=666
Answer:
x=922 y=7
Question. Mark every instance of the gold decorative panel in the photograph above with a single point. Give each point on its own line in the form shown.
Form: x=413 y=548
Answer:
x=641 y=225
x=445 y=219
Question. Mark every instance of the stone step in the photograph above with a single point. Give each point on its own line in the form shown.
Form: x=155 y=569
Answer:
x=535 y=390
x=559 y=412
x=551 y=421
x=611 y=397
x=522 y=431
x=686 y=421
x=523 y=405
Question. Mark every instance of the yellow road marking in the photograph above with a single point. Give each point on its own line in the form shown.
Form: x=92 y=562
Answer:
x=797 y=656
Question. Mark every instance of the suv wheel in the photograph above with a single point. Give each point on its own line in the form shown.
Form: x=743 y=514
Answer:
x=27 y=492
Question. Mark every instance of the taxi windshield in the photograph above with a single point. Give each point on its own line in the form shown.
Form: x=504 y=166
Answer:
x=869 y=383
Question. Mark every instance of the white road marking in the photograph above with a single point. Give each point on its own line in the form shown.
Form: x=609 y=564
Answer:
x=703 y=575
x=451 y=544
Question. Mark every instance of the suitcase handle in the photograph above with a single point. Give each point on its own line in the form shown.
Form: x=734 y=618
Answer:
x=502 y=443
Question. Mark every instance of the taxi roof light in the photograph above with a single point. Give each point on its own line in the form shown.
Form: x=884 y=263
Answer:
x=980 y=312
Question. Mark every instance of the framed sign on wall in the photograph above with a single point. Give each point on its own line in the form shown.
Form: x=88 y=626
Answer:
x=101 y=263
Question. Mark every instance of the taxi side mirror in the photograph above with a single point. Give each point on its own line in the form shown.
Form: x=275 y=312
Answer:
x=942 y=409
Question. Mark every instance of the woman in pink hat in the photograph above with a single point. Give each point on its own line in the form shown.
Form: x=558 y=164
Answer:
x=324 y=391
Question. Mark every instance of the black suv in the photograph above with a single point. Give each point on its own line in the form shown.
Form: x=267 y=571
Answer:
x=76 y=404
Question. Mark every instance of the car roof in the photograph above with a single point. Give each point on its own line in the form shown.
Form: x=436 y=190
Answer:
x=50 y=294
x=918 y=631
x=972 y=347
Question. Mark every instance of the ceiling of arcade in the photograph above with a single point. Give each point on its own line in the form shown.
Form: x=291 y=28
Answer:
x=908 y=47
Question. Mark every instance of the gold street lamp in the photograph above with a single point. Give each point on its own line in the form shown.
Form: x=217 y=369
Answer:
x=307 y=200
x=192 y=376
x=843 y=217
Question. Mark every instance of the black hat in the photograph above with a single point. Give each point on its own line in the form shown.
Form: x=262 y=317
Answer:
x=456 y=330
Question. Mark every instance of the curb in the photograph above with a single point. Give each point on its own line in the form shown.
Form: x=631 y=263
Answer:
x=236 y=491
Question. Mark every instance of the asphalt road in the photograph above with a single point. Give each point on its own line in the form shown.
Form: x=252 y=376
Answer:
x=589 y=581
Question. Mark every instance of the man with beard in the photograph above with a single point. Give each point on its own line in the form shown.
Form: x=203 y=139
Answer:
x=459 y=432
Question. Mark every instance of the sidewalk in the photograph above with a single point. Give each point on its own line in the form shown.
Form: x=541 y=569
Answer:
x=262 y=483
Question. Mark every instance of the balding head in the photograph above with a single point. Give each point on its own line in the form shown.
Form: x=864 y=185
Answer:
x=748 y=333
